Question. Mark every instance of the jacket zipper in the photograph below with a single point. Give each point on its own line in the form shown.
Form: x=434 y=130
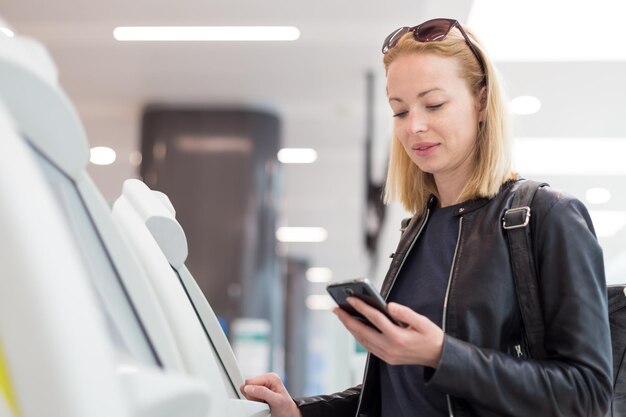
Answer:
x=367 y=363
x=522 y=350
x=445 y=302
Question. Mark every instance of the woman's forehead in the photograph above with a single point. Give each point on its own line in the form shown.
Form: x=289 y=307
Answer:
x=424 y=72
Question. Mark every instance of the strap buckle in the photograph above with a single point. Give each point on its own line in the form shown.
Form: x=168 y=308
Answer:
x=516 y=217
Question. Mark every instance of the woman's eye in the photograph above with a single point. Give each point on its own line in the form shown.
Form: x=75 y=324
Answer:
x=400 y=114
x=435 y=106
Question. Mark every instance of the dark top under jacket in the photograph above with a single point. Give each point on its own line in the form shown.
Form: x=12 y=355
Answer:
x=421 y=285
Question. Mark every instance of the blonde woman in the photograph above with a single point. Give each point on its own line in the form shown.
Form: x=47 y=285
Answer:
x=464 y=351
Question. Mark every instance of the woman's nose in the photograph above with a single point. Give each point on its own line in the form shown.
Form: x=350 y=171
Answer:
x=417 y=123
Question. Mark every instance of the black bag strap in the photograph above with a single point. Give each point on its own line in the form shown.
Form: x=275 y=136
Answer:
x=516 y=222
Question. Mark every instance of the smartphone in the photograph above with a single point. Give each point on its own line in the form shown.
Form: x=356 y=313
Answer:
x=362 y=289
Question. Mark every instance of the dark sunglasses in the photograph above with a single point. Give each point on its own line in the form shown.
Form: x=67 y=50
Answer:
x=431 y=31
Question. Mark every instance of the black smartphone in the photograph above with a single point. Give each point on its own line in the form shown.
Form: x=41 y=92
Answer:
x=362 y=289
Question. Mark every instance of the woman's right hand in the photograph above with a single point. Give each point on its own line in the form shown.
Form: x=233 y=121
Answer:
x=269 y=388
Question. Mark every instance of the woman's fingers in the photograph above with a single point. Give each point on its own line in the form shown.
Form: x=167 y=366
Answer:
x=365 y=334
x=355 y=326
x=408 y=316
x=269 y=380
x=261 y=393
x=420 y=343
x=378 y=319
x=271 y=383
x=269 y=388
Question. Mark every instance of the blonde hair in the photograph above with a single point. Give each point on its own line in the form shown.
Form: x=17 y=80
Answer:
x=410 y=185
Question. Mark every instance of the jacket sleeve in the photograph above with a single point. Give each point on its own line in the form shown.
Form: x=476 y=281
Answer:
x=575 y=379
x=340 y=404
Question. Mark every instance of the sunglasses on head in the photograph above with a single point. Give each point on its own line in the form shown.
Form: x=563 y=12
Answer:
x=431 y=31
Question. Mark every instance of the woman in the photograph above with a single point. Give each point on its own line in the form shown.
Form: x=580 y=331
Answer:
x=464 y=351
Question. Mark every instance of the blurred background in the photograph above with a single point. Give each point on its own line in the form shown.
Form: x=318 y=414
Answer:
x=209 y=124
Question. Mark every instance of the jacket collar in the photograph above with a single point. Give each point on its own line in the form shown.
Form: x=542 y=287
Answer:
x=470 y=205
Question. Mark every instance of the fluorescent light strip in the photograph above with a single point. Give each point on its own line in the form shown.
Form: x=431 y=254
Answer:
x=102 y=155
x=597 y=195
x=301 y=234
x=206 y=33
x=297 y=155
x=318 y=274
x=525 y=105
x=320 y=302
x=570 y=156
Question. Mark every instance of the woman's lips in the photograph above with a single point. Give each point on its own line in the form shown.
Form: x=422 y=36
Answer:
x=425 y=149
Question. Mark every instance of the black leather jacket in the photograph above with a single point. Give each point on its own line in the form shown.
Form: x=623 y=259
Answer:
x=485 y=369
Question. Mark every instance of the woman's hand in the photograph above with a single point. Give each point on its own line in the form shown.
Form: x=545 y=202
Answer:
x=420 y=343
x=270 y=389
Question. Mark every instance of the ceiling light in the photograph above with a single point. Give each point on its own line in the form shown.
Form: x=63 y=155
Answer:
x=598 y=195
x=320 y=302
x=101 y=155
x=301 y=234
x=135 y=158
x=570 y=156
x=608 y=222
x=297 y=155
x=319 y=274
x=525 y=105
x=6 y=31
x=516 y=31
x=206 y=33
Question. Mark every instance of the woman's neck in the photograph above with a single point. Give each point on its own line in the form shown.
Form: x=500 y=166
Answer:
x=450 y=189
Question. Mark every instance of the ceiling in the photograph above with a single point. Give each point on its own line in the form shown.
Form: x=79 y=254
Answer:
x=316 y=85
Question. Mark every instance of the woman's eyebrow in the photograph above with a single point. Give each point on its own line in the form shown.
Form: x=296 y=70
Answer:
x=423 y=93
x=419 y=95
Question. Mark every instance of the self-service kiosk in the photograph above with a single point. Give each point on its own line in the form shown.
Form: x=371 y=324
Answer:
x=87 y=325
x=147 y=219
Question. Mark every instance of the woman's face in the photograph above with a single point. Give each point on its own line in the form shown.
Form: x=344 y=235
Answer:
x=435 y=114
